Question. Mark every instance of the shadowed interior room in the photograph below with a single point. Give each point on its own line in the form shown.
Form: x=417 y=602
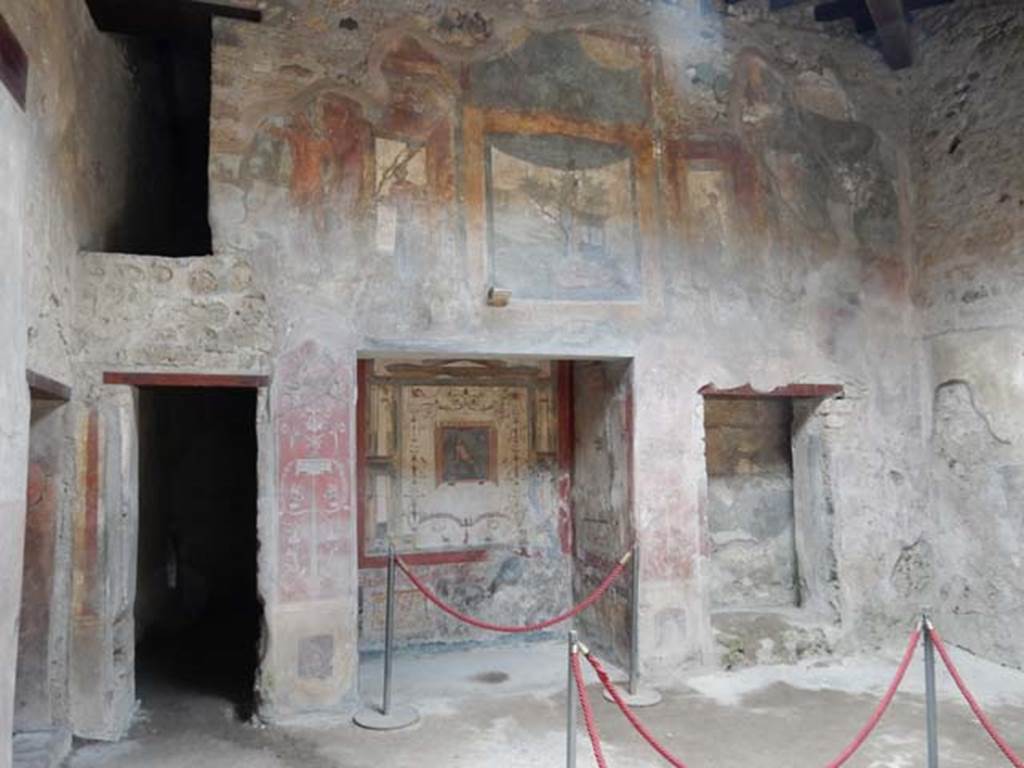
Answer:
x=197 y=605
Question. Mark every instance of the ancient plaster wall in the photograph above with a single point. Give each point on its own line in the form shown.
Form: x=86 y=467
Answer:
x=755 y=229
x=969 y=174
x=768 y=180
x=14 y=404
x=151 y=314
x=750 y=503
x=41 y=695
x=68 y=180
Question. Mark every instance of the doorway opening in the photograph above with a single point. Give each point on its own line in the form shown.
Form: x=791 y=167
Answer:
x=750 y=503
x=772 y=586
x=506 y=484
x=198 y=614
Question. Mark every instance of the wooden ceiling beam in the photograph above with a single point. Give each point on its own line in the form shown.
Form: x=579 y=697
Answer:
x=890 y=17
x=163 y=17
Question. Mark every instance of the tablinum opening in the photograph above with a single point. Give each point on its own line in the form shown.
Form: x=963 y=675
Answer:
x=197 y=611
x=506 y=484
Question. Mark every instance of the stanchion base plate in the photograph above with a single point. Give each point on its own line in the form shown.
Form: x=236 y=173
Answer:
x=375 y=720
x=644 y=697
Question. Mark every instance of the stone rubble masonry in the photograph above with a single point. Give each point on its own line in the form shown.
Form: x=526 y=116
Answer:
x=969 y=291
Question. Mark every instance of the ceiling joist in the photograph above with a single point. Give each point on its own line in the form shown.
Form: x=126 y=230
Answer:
x=890 y=19
x=162 y=17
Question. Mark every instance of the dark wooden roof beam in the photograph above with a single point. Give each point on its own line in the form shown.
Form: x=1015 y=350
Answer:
x=160 y=18
x=890 y=19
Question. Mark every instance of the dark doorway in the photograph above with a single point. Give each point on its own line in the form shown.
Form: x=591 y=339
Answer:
x=197 y=609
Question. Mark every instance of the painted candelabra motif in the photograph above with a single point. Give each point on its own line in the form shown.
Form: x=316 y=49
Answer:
x=312 y=427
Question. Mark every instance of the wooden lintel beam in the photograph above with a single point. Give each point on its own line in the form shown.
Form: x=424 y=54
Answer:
x=173 y=379
x=747 y=392
x=228 y=10
x=163 y=18
x=44 y=388
x=890 y=17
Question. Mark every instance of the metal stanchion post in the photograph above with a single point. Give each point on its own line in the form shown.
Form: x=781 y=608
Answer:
x=570 y=707
x=389 y=631
x=636 y=696
x=931 y=706
x=388 y=717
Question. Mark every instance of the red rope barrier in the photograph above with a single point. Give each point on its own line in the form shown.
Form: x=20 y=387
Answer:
x=602 y=675
x=588 y=711
x=883 y=705
x=972 y=702
x=845 y=755
x=590 y=599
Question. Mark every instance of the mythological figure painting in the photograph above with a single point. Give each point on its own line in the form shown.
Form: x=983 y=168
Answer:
x=562 y=217
x=400 y=194
x=466 y=454
x=709 y=194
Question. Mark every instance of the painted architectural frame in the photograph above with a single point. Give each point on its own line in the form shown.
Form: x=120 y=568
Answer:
x=384 y=385
x=695 y=168
x=480 y=128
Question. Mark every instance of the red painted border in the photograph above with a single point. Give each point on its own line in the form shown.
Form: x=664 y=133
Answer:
x=726 y=152
x=789 y=390
x=90 y=526
x=566 y=417
x=566 y=451
x=376 y=561
x=142 y=379
x=362 y=388
x=630 y=428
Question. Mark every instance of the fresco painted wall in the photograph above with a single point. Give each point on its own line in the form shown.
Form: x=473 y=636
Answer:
x=719 y=200
x=714 y=198
x=75 y=162
x=459 y=473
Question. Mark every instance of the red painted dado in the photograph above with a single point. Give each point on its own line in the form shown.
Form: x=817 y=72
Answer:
x=313 y=400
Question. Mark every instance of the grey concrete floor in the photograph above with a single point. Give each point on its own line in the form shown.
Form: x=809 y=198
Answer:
x=504 y=706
